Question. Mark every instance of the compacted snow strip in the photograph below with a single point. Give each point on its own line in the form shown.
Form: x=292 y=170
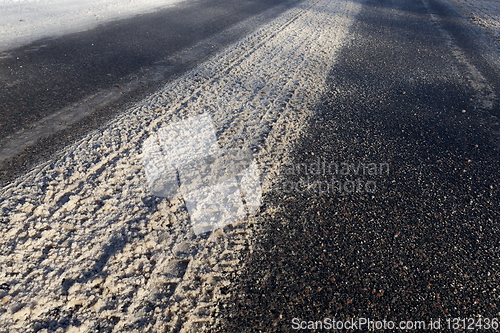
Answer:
x=86 y=247
x=484 y=13
x=23 y=21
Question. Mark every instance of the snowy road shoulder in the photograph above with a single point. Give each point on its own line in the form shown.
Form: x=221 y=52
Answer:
x=23 y=21
x=88 y=248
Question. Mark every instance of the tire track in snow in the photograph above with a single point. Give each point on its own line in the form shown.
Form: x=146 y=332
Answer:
x=87 y=247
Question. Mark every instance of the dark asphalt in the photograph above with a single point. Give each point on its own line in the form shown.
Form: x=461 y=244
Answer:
x=48 y=75
x=425 y=245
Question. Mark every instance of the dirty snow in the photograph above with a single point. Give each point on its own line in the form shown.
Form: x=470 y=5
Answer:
x=484 y=13
x=87 y=248
x=23 y=21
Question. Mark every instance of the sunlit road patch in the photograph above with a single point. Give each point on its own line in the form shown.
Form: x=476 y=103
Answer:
x=89 y=247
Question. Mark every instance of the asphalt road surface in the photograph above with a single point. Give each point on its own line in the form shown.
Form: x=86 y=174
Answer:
x=416 y=93
x=55 y=90
x=375 y=128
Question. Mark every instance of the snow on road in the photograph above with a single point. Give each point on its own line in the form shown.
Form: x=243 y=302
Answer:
x=87 y=248
x=23 y=21
x=484 y=13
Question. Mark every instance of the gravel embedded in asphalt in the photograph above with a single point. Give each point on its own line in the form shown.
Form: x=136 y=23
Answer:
x=423 y=245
